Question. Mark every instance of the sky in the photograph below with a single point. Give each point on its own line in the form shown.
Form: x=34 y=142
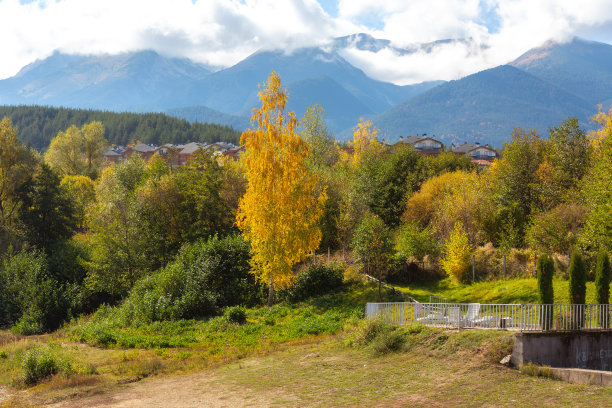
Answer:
x=220 y=33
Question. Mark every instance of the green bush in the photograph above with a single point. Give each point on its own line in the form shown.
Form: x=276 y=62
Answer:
x=380 y=336
x=413 y=242
x=577 y=279
x=315 y=280
x=235 y=314
x=205 y=277
x=30 y=299
x=389 y=341
x=37 y=365
x=602 y=279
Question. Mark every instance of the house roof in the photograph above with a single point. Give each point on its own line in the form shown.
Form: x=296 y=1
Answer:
x=412 y=140
x=113 y=150
x=468 y=147
x=144 y=148
x=191 y=148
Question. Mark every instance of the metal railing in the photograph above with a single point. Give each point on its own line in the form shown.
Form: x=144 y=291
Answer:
x=527 y=317
x=437 y=299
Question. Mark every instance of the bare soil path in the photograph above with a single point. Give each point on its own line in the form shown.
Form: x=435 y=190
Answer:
x=327 y=374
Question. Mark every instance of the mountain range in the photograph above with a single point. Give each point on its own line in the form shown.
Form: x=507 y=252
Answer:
x=538 y=90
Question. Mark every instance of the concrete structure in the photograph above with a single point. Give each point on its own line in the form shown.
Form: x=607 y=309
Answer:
x=583 y=376
x=580 y=349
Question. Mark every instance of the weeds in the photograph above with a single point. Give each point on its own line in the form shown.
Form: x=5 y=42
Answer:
x=37 y=365
x=380 y=337
x=536 y=370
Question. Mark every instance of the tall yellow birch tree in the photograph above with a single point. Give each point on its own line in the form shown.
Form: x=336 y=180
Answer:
x=278 y=214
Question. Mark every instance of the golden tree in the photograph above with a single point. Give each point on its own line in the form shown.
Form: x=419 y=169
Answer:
x=365 y=142
x=278 y=214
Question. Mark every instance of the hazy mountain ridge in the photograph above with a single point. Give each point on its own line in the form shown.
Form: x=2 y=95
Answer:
x=485 y=107
x=581 y=67
x=559 y=80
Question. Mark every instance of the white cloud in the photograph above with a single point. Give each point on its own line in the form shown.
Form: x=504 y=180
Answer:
x=222 y=32
x=218 y=32
x=514 y=27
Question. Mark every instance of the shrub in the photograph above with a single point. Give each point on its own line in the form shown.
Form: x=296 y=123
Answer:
x=558 y=229
x=235 y=314
x=457 y=253
x=315 y=280
x=380 y=336
x=487 y=261
x=602 y=279
x=414 y=242
x=577 y=279
x=29 y=296
x=388 y=341
x=37 y=365
x=205 y=277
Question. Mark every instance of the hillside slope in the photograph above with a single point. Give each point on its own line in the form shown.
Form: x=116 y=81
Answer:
x=485 y=107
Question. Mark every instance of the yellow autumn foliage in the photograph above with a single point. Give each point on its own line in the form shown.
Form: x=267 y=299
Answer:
x=364 y=142
x=605 y=132
x=457 y=254
x=279 y=212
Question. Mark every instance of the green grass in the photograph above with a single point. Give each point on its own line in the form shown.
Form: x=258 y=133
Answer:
x=520 y=290
x=281 y=323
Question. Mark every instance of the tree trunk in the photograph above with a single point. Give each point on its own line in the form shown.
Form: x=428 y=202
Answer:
x=379 y=286
x=271 y=293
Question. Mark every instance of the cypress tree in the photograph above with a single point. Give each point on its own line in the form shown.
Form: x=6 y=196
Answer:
x=602 y=287
x=602 y=279
x=577 y=279
x=546 y=269
x=577 y=287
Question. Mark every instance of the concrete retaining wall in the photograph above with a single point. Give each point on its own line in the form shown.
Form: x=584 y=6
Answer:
x=587 y=350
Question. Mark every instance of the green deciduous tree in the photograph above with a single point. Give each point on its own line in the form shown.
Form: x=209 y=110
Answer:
x=411 y=241
x=318 y=137
x=381 y=181
x=82 y=191
x=77 y=151
x=372 y=247
x=515 y=179
x=567 y=154
x=597 y=193
x=556 y=230
x=16 y=167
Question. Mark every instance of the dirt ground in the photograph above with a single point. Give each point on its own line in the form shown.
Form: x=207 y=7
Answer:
x=327 y=374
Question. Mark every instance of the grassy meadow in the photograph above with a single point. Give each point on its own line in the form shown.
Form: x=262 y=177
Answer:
x=290 y=343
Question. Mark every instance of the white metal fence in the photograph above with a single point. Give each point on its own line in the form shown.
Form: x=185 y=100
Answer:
x=528 y=317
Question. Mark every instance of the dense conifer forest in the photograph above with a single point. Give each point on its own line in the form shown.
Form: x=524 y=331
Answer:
x=37 y=125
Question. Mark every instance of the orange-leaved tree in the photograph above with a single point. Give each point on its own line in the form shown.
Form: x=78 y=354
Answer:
x=278 y=214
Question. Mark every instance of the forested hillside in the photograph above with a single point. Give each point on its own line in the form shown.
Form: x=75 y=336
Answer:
x=37 y=125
